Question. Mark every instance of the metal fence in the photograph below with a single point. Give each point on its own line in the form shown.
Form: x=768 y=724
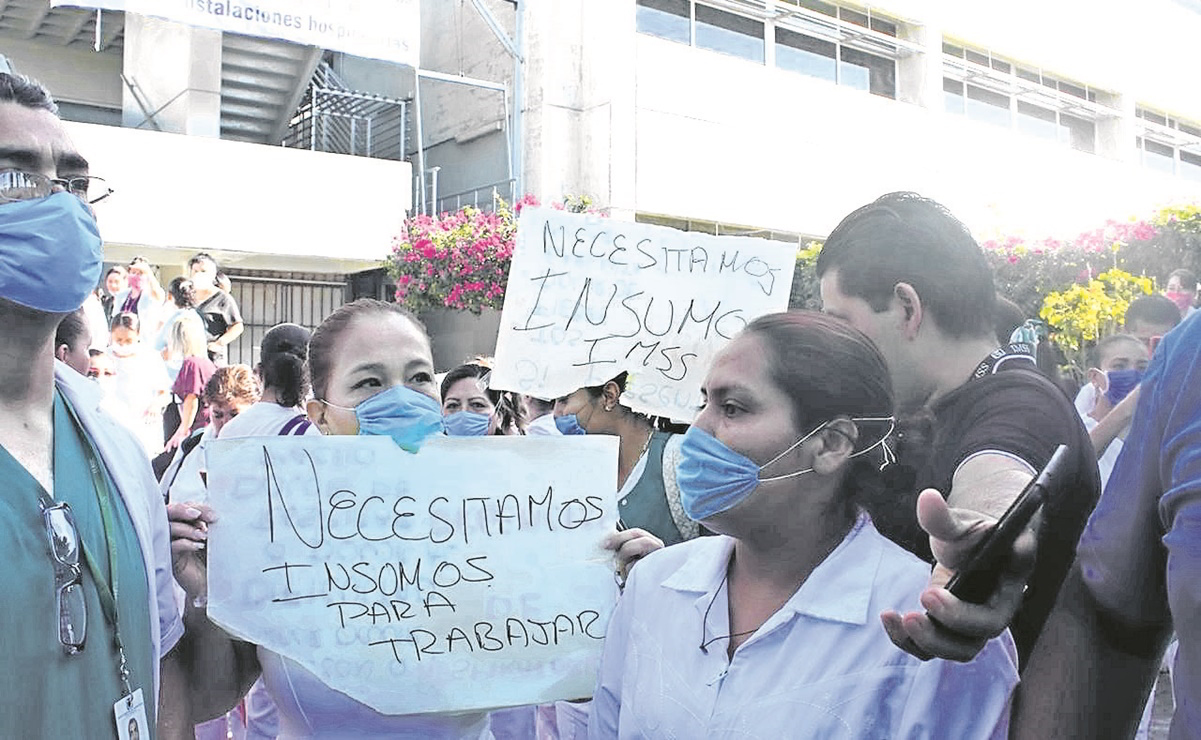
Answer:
x=267 y=298
x=485 y=197
x=333 y=118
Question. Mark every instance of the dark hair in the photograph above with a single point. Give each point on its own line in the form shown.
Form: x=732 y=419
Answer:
x=620 y=379
x=23 y=91
x=139 y=259
x=1153 y=309
x=182 y=292
x=905 y=238
x=125 y=320
x=510 y=412
x=829 y=369
x=1009 y=316
x=119 y=269
x=232 y=383
x=323 y=343
x=201 y=257
x=1188 y=278
x=70 y=329
x=1095 y=353
x=282 y=356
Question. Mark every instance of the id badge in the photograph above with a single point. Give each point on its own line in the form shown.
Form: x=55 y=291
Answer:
x=130 y=712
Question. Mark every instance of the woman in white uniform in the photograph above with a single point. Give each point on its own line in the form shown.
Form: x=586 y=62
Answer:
x=772 y=629
x=372 y=372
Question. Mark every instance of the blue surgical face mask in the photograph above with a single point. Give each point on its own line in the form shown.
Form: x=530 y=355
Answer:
x=50 y=253
x=714 y=478
x=400 y=412
x=466 y=424
x=568 y=424
x=1119 y=383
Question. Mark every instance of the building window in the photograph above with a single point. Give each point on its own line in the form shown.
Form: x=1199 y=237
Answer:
x=728 y=33
x=817 y=39
x=829 y=42
x=983 y=87
x=1168 y=144
x=805 y=54
x=667 y=19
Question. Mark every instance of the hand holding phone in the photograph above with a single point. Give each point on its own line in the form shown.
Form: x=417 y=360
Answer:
x=977 y=579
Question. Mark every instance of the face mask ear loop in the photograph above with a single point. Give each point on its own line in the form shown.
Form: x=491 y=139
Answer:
x=791 y=447
x=334 y=405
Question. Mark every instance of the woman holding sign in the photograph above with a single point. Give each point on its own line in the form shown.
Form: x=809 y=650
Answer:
x=773 y=629
x=372 y=372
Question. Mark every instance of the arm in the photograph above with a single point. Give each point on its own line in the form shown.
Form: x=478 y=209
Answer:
x=174 y=706
x=233 y=332
x=1115 y=422
x=217 y=669
x=1087 y=677
x=981 y=491
x=187 y=415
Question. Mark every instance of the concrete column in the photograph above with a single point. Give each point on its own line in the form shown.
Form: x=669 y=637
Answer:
x=1116 y=133
x=580 y=101
x=174 y=67
x=919 y=76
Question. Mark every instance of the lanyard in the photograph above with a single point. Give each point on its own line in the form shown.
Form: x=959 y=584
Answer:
x=107 y=593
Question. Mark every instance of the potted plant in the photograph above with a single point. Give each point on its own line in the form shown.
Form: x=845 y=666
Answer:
x=451 y=270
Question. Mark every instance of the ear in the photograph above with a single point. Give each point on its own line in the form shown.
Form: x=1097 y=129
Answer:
x=316 y=413
x=60 y=352
x=1098 y=379
x=837 y=445
x=610 y=395
x=910 y=303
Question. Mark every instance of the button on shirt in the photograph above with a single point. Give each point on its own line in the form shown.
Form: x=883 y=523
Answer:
x=820 y=667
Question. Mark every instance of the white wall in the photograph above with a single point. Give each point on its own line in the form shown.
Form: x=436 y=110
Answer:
x=255 y=205
x=725 y=140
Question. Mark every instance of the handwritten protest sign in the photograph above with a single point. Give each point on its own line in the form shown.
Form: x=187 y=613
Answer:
x=467 y=576
x=589 y=297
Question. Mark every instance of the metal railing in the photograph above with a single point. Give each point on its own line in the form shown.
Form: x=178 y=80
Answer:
x=484 y=197
x=333 y=118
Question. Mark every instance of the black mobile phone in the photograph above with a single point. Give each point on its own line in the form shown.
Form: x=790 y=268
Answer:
x=978 y=577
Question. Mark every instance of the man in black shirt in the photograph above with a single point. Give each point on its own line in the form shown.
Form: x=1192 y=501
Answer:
x=981 y=419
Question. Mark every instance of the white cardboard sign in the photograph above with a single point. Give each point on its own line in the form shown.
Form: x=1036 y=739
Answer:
x=590 y=297
x=465 y=577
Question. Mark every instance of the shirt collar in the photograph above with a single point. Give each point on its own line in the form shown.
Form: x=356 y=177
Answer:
x=838 y=590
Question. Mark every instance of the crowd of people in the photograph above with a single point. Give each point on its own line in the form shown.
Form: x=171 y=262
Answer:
x=783 y=558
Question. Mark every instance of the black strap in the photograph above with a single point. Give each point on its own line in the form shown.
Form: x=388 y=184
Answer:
x=1019 y=351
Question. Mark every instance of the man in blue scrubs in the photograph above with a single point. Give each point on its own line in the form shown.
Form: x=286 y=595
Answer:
x=88 y=611
x=1137 y=574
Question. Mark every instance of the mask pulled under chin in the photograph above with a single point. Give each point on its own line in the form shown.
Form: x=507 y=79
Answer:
x=51 y=253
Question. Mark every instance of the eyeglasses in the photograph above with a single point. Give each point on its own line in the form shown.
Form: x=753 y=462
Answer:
x=68 y=578
x=17 y=185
